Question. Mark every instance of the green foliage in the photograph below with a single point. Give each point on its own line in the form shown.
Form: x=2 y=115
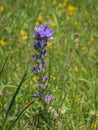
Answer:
x=72 y=65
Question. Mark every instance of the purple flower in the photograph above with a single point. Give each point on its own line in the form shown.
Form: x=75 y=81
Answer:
x=40 y=55
x=36 y=45
x=43 y=85
x=44 y=52
x=42 y=43
x=43 y=64
x=39 y=44
x=43 y=33
x=48 y=98
x=37 y=93
x=45 y=78
x=36 y=56
x=36 y=70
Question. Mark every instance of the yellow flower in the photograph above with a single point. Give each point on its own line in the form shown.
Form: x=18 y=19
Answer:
x=60 y=5
x=40 y=19
x=2 y=42
x=48 y=44
x=71 y=10
x=92 y=40
x=25 y=37
x=76 y=40
x=37 y=23
x=75 y=69
x=34 y=79
x=52 y=24
x=54 y=2
x=22 y=32
x=1 y=8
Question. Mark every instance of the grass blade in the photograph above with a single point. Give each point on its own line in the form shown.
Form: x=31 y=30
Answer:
x=20 y=115
x=13 y=99
x=3 y=66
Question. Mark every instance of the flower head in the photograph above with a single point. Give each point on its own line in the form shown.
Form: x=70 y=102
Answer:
x=2 y=42
x=23 y=35
x=49 y=98
x=71 y=10
x=43 y=64
x=43 y=33
x=35 y=79
x=38 y=93
x=39 y=44
x=54 y=2
x=36 y=70
x=1 y=8
x=40 y=19
x=75 y=69
x=45 y=78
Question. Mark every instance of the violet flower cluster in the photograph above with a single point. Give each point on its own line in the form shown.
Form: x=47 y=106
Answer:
x=42 y=35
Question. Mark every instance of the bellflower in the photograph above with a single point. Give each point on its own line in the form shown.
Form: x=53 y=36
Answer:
x=45 y=78
x=48 y=98
x=42 y=35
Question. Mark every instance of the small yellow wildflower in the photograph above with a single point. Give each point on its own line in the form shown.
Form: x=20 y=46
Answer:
x=2 y=42
x=76 y=40
x=60 y=5
x=52 y=24
x=25 y=37
x=37 y=23
x=34 y=79
x=1 y=8
x=54 y=2
x=22 y=32
x=71 y=10
x=40 y=19
x=48 y=44
x=75 y=69
x=92 y=40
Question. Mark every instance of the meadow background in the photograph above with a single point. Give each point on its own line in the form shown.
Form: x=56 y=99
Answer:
x=72 y=62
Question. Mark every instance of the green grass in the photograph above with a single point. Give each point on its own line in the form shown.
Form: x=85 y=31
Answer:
x=75 y=91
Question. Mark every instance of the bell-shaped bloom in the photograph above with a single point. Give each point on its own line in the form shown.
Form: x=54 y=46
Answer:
x=43 y=33
x=49 y=98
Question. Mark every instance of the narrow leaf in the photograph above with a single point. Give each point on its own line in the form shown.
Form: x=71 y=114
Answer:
x=13 y=99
